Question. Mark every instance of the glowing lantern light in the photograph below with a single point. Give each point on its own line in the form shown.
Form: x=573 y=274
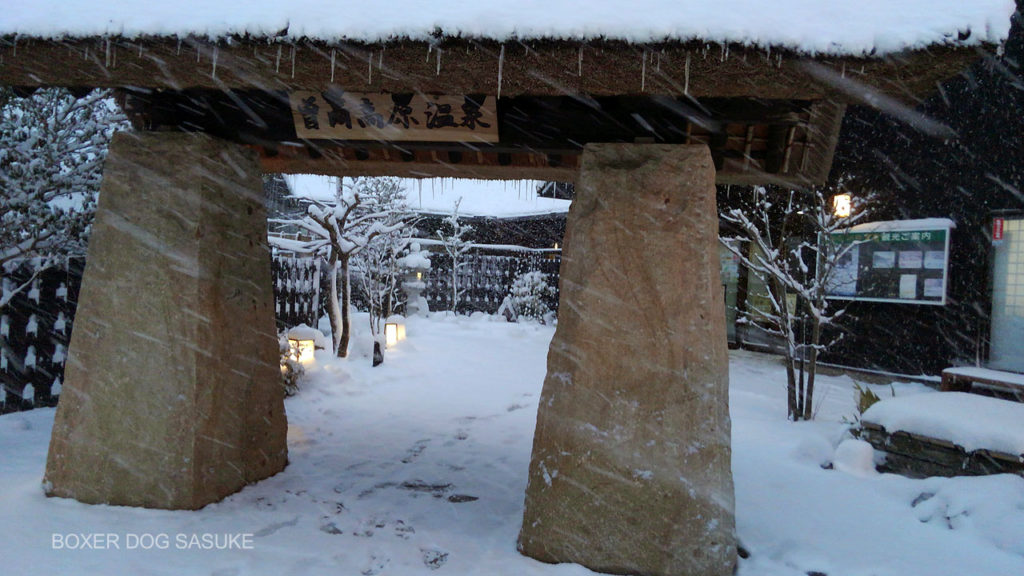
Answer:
x=302 y=350
x=303 y=341
x=841 y=204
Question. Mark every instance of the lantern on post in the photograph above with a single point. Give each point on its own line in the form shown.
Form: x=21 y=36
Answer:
x=303 y=341
x=394 y=330
x=842 y=205
x=415 y=263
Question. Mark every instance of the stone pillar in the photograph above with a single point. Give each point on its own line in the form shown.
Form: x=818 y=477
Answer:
x=172 y=395
x=631 y=458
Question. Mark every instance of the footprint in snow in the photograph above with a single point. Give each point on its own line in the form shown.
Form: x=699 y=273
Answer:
x=434 y=558
x=403 y=530
x=268 y=530
x=413 y=453
x=376 y=565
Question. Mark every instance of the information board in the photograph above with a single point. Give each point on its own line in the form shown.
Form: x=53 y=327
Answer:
x=903 y=261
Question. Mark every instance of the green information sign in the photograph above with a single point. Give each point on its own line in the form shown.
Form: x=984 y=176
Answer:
x=904 y=261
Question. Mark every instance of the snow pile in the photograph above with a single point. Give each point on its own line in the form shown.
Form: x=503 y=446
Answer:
x=419 y=466
x=304 y=332
x=815 y=26
x=968 y=420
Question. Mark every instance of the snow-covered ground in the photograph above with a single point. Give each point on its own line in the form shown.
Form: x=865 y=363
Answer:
x=419 y=466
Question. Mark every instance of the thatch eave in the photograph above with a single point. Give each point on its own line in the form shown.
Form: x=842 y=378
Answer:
x=455 y=64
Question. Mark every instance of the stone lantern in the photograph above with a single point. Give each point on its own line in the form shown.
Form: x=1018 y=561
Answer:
x=415 y=265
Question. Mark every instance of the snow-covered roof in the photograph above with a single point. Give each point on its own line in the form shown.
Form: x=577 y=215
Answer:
x=898 y=225
x=813 y=26
x=504 y=199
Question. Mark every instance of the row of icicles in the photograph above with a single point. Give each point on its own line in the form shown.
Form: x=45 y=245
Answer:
x=653 y=57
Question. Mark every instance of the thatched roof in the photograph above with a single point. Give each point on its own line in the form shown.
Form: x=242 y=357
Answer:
x=763 y=84
x=833 y=27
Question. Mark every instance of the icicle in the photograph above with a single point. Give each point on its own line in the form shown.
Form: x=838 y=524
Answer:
x=32 y=327
x=779 y=57
x=30 y=357
x=178 y=53
x=58 y=354
x=294 y=50
x=277 y=62
x=579 y=63
x=56 y=388
x=199 y=53
x=215 y=54
x=140 y=51
x=369 y=69
x=28 y=394
x=438 y=73
x=332 y=65
x=643 y=71
x=430 y=48
x=501 y=65
x=686 y=75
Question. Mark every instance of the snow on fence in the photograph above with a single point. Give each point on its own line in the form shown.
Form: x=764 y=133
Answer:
x=297 y=281
x=487 y=274
x=35 y=327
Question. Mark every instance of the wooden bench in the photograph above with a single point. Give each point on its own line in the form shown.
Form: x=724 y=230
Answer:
x=918 y=456
x=946 y=434
x=1009 y=385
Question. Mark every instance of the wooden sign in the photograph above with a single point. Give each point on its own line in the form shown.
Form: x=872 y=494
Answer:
x=337 y=114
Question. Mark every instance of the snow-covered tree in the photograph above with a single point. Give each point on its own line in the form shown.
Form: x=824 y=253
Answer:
x=527 y=295
x=794 y=247
x=453 y=235
x=360 y=212
x=379 y=263
x=52 y=147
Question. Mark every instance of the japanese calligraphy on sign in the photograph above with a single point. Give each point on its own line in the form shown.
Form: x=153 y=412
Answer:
x=894 y=262
x=342 y=115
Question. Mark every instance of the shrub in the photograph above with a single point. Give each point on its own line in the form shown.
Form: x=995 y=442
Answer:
x=527 y=294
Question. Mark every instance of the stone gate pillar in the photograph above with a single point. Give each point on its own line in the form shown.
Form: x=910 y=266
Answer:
x=172 y=395
x=630 y=471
